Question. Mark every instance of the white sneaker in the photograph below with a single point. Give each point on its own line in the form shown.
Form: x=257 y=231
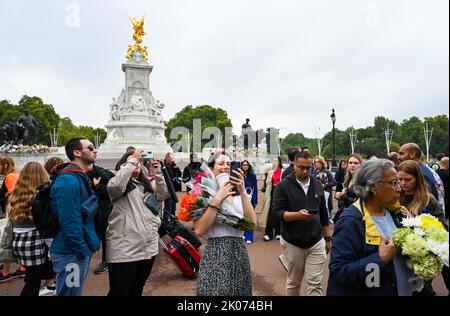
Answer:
x=47 y=291
x=266 y=237
x=278 y=237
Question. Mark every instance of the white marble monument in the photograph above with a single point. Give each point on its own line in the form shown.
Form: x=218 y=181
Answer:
x=136 y=116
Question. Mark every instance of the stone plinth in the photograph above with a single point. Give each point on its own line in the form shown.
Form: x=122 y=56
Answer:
x=135 y=117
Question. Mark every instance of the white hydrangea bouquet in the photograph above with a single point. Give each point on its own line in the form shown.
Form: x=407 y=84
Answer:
x=424 y=240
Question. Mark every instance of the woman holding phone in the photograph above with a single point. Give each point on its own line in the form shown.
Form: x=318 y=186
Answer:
x=224 y=266
x=132 y=233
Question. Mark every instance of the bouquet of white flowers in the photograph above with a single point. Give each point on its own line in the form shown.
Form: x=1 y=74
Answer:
x=424 y=240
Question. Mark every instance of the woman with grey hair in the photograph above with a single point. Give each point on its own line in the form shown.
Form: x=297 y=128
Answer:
x=363 y=258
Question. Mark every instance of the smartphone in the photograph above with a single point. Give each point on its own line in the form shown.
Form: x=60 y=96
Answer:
x=234 y=165
x=313 y=211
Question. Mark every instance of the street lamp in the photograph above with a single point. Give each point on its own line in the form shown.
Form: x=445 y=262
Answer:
x=333 y=161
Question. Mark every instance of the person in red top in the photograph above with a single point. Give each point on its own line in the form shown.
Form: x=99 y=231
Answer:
x=267 y=217
x=11 y=175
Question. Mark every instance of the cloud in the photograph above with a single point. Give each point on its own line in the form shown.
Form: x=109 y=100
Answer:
x=281 y=63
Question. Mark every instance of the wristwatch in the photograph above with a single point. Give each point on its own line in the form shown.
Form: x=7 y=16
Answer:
x=327 y=238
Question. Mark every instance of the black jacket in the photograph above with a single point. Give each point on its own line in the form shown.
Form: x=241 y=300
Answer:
x=175 y=175
x=289 y=196
x=287 y=171
x=190 y=172
x=3 y=199
x=340 y=178
x=104 y=202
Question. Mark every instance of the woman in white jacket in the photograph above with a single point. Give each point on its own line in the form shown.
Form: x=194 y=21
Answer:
x=132 y=233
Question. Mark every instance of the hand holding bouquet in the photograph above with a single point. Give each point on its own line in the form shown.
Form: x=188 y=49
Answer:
x=424 y=240
x=204 y=188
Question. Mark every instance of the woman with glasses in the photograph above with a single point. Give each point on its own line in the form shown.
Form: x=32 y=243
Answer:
x=416 y=199
x=268 y=219
x=132 y=233
x=362 y=246
x=251 y=187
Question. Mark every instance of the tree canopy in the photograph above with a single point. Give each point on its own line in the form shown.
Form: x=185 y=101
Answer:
x=209 y=116
x=372 y=141
x=46 y=116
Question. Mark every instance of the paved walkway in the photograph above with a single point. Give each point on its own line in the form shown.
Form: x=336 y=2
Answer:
x=268 y=275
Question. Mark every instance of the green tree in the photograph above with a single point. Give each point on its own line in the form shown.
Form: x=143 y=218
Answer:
x=48 y=119
x=439 y=139
x=68 y=130
x=44 y=115
x=411 y=131
x=210 y=117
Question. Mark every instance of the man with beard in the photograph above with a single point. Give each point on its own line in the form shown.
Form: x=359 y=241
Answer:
x=74 y=205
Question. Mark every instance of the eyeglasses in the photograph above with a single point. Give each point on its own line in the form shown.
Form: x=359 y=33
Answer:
x=394 y=183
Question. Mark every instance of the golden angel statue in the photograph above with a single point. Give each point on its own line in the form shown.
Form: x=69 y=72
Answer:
x=139 y=32
x=138 y=28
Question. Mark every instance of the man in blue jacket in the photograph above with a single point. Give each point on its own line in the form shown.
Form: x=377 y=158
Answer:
x=74 y=205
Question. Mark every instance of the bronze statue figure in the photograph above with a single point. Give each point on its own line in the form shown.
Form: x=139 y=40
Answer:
x=29 y=124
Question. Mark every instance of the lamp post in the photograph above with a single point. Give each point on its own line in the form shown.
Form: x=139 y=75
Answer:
x=333 y=161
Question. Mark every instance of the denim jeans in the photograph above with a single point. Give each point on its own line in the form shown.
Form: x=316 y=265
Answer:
x=71 y=273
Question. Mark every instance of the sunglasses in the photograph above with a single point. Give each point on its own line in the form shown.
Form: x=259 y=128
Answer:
x=90 y=147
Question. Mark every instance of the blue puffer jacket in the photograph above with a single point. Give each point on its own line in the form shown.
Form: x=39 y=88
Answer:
x=355 y=246
x=74 y=205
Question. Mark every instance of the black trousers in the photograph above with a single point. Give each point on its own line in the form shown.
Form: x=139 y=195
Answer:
x=272 y=221
x=101 y=225
x=128 y=278
x=33 y=277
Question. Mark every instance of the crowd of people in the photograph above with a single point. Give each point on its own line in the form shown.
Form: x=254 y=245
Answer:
x=313 y=211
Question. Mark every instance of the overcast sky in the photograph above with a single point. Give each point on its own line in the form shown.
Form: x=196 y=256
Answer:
x=282 y=63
